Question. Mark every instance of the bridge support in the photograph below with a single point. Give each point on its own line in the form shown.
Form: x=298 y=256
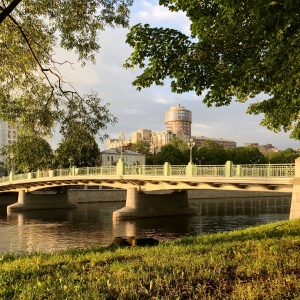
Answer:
x=140 y=204
x=27 y=201
x=295 y=204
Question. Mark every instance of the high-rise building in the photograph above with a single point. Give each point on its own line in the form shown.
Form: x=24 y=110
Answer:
x=178 y=120
x=141 y=135
x=8 y=134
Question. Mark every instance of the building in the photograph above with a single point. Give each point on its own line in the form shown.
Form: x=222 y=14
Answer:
x=8 y=135
x=263 y=148
x=178 y=120
x=141 y=135
x=159 y=139
x=111 y=157
x=230 y=144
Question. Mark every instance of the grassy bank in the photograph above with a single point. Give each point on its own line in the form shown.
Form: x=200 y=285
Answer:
x=256 y=263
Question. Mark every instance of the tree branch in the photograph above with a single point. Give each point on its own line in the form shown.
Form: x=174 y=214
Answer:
x=7 y=10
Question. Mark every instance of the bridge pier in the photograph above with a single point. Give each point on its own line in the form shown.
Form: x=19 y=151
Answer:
x=295 y=204
x=140 y=204
x=27 y=201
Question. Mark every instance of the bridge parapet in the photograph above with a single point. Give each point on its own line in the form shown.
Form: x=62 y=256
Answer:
x=227 y=170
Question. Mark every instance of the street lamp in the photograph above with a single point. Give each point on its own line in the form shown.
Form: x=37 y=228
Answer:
x=191 y=144
x=121 y=139
x=254 y=162
x=12 y=163
x=70 y=162
x=200 y=161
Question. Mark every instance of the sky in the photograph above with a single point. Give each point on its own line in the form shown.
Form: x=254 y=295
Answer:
x=145 y=109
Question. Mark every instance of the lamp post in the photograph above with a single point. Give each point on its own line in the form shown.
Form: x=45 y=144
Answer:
x=12 y=163
x=200 y=161
x=191 y=144
x=70 y=162
x=254 y=162
x=121 y=139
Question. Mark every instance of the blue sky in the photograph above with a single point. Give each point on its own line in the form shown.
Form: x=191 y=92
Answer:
x=145 y=109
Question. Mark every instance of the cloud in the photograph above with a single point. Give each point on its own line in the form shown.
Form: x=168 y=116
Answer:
x=154 y=14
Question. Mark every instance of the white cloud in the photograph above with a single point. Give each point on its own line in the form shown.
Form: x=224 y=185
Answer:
x=156 y=15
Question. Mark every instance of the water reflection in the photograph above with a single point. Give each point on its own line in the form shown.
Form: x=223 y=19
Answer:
x=91 y=224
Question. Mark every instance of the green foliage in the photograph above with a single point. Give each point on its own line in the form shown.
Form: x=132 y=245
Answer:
x=30 y=153
x=247 y=155
x=32 y=90
x=142 y=147
x=255 y=263
x=286 y=156
x=211 y=153
x=78 y=147
x=169 y=153
x=237 y=50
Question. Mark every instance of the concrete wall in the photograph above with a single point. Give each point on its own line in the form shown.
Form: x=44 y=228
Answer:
x=211 y=194
x=85 y=196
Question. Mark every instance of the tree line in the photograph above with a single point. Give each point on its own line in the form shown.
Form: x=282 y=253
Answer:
x=178 y=152
x=31 y=153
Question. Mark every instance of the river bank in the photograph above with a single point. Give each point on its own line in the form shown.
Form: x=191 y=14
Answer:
x=255 y=263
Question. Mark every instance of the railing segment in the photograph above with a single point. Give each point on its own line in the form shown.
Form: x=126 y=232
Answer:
x=262 y=171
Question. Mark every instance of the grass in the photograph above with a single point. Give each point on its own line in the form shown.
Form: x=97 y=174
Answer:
x=256 y=263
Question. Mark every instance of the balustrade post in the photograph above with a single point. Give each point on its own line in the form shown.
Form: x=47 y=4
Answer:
x=120 y=167
x=167 y=169
x=189 y=169
x=11 y=175
x=239 y=170
x=38 y=173
x=228 y=168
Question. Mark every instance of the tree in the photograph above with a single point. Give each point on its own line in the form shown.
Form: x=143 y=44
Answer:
x=78 y=146
x=30 y=153
x=142 y=147
x=247 y=155
x=286 y=156
x=169 y=153
x=32 y=90
x=237 y=50
x=211 y=153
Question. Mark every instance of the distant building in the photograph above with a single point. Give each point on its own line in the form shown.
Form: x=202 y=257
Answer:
x=267 y=148
x=159 y=139
x=230 y=144
x=8 y=135
x=111 y=157
x=178 y=120
x=141 y=135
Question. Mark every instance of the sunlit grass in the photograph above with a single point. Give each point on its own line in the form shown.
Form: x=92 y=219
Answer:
x=256 y=263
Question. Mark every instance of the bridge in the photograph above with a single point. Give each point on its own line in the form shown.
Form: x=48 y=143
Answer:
x=155 y=190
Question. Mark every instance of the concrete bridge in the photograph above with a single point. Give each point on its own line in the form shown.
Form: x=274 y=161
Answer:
x=154 y=190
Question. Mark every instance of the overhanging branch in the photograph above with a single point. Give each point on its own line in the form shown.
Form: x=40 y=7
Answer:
x=7 y=10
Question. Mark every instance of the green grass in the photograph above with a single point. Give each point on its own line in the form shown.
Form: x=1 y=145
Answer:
x=256 y=263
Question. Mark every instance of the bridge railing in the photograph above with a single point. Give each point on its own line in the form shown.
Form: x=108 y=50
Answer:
x=264 y=170
x=209 y=170
x=109 y=170
x=177 y=170
x=261 y=170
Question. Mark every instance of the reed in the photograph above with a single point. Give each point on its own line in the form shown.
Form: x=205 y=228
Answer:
x=256 y=263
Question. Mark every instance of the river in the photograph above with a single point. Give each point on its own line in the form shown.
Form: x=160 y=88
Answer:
x=91 y=224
